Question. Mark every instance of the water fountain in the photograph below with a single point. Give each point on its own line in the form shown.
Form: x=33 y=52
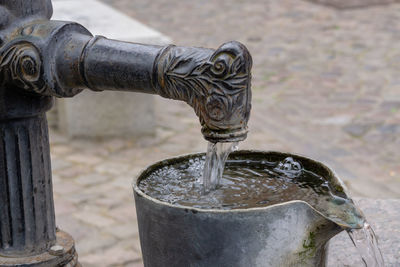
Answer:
x=41 y=59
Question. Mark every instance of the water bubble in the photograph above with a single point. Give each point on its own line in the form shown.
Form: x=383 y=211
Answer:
x=289 y=167
x=235 y=147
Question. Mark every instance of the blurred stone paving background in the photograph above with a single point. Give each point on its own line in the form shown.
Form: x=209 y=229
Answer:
x=326 y=85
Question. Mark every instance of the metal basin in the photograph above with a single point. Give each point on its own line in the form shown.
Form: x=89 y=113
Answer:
x=288 y=234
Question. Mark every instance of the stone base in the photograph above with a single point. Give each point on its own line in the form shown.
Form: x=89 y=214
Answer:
x=92 y=114
x=67 y=257
x=343 y=4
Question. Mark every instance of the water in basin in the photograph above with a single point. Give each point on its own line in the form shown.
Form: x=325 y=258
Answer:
x=249 y=184
x=203 y=182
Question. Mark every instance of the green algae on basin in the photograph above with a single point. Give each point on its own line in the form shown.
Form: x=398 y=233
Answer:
x=254 y=182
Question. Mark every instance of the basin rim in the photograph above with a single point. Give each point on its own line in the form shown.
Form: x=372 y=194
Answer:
x=150 y=168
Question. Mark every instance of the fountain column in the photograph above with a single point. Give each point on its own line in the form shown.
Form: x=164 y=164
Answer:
x=28 y=225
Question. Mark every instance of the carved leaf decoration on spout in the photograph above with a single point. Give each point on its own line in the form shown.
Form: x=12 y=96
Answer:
x=215 y=83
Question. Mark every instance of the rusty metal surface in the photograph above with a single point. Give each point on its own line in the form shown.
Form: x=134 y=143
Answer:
x=68 y=257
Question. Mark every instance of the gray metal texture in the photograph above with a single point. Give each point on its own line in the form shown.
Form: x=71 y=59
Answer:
x=55 y=58
x=41 y=59
x=65 y=256
x=287 y=234
x=26 y=195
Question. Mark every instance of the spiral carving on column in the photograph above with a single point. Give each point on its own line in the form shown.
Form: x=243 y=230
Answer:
x=215 y=83
x=21 y=66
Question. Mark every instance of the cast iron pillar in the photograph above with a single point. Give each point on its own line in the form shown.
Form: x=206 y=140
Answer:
x=41 y=59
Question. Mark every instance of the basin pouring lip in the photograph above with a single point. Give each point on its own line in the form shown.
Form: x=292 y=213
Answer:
x=150 y=168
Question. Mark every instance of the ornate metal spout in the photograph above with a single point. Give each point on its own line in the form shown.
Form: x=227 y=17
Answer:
x=41 y=59
x=215 y=83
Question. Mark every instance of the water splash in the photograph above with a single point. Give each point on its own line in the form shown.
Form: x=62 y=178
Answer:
x=216 y=156
x=365 y=241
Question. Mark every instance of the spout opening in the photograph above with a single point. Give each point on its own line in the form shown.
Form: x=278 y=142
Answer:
x=224 y=136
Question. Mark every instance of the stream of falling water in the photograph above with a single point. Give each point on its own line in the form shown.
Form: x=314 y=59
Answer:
x=365 y=241
x=216 y=156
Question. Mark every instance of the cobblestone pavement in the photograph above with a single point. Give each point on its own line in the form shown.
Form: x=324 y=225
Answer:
x=326 y=85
